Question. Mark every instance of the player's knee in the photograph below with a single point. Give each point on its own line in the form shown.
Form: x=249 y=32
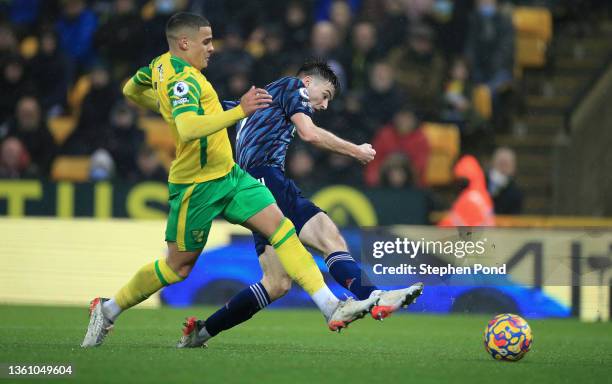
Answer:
x=185 y=269
x=182 y=262
x=278 y=287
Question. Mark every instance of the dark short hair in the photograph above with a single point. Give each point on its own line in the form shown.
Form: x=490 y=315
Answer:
x=185 y=20
x=320 y=68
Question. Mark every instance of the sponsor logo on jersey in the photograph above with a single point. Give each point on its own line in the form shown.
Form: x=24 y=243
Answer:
x=180 y=101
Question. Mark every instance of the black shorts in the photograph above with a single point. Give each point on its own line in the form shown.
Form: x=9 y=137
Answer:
x=288 y=197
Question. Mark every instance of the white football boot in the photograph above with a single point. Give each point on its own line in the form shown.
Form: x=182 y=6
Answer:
x=99 y=325
x=194 y=334
x=391 y=301
x=349 y=311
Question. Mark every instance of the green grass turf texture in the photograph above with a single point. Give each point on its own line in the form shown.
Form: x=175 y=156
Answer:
x=294 y=346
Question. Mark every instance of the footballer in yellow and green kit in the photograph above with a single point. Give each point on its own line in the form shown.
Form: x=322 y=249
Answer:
x=204 y=181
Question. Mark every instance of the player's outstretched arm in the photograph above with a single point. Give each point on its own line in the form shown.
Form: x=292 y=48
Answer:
x=321 y=138
x=191 y=126
x=142 y=95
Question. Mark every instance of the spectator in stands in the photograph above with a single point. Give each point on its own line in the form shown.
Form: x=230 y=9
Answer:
x=383 y=96
x=101 y=166
x=92 y=127
x=396 y=172
x=270 y=66
x=228 y=60
x=14 y=84
x=392 y=25
x=404 y=135
x=155 y=26
x=50 y=71
x=120 y=40
x=473 y=206
x=8 y=41
x=457 y=92
x=29 y=126
x=361 y=55
x=14 y=160
x=454 y=32
x=490 y=46
x=124 y=139
x=149 y=167
x=420 y=69
x=507 y=195
x=324 y=44
x=301 y=166
x=297 y=25
x=341 y=16
x=24 y=14
x=457 y=99
x=347 y=123
x=76 y=28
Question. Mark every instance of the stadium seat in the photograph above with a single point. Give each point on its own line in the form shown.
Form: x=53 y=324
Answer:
x=71 y=168
x=61 y=127
x=78 y=93
x=530 y=52
x=158 y=133
x=533 y=33
x=481 y=99
x=533 y=21
x=29 y=47
x=444 y=143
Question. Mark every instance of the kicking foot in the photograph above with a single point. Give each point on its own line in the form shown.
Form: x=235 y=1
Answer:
x=99 y=325
x=391 y=301
x=349 y=311
x=191 y=334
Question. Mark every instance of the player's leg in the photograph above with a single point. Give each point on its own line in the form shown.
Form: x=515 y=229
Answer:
x=187 y=214
x=295 y=259
x=242 y=306
x=149 y=279
x=253 y=206
x=322 y=234
x=189 y=220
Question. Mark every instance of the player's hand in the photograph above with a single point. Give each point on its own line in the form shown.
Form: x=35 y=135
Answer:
x=365 y=153
x=254 y=99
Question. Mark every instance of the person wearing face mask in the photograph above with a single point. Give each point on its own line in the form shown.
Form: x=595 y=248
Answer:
x=420 y=69
x=506 y=194
x=490 y=46
x=30 y=127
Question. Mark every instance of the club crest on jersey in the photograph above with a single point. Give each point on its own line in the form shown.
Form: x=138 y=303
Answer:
x=304 y=93
x=180 y=89
x=197 y=235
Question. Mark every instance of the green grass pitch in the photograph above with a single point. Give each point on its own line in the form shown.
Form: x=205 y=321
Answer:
x=294 y=346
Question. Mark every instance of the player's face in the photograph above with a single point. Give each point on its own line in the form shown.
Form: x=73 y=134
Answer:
x=201 y=48
x=320 y=92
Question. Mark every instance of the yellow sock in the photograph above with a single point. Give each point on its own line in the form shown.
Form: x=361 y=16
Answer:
x=148 y=280
x=296 y=260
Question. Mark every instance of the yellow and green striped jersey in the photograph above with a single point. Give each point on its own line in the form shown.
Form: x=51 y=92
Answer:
x=181 y=88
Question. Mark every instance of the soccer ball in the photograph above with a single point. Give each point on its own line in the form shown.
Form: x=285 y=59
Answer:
x=507 y=337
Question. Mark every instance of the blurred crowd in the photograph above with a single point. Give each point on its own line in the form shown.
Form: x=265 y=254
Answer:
x=400 y=62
